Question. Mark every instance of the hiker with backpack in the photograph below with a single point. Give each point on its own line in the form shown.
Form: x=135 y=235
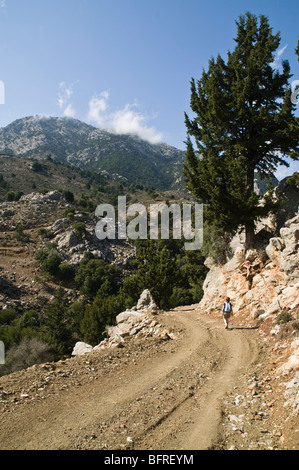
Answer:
x=227 y=311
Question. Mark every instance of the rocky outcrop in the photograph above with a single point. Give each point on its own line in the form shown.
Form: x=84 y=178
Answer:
x=283 y=250
x=134 y=323
x=32 y=210
x=39 y=198
x=263 y=286
x=47 y=211
x=259 y=282
x=147 y=302
x=72 y=246
x=81 y=348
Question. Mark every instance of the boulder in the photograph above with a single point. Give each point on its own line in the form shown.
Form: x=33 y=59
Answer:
x=293 y=360
x=292 y=392
x=283 y=250
x=81 y=348
x=129 y=317
x=68 y=240
x=54 y=196
x=146 y=301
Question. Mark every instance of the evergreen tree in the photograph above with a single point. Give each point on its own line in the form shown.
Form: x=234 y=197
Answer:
x=55 y=327
x=244 y=122
x=98 y=317
x=94 y=273
x=157 y=271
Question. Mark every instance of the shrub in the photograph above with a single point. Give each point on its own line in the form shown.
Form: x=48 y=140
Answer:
x=66 y=272
x=79 y=229
x=55 y=327
x=19 y=233
x=7 y=316
x=44 y=233
x=215 y=244
x=68 y=196
x=10 y=196
x=37 y=167
x=180 y=296
x=92 y=274
x=69 y=213
x=3 y=183
x=26 y=354
x=49 y=260
x=284 y=317
x=98 y=317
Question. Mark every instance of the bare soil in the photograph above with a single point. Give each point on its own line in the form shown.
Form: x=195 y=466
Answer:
x=209 y=388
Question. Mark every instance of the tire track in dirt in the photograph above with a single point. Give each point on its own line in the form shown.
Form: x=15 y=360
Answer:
x=168 y=400
x=223 y=355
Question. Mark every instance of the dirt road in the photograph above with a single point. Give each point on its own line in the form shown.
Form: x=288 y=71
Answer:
x=158 y=395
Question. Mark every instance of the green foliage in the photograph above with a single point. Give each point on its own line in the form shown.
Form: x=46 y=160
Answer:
x=19 y=233
x=98 y=316
x=180 y=296
x=14 y=327
x=93 y=273
x=79 y=229
x=244 y=122
x=171 y=274
x=49 y=260
x=37 y=167
x=215 y=243
x=10 y=196
x=7 y=316
x=3 y=183
x=51 y=263
x=69 y=212
x=45 y=233
x=294 y=180
x=68 y=196
x=66 y=272
x=75 y=314
x=85 y=203
x=56 y=330
x=284 y=317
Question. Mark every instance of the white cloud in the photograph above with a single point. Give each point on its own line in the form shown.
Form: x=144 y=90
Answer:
x=123 y=121
x=97 y=107
x=129 y=121
x=65 y=94
x=69 y=111
x=276 y=63
x=2 y=3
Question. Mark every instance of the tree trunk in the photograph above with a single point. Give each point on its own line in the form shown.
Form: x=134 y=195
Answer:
x=250 y=226
x=249 y=235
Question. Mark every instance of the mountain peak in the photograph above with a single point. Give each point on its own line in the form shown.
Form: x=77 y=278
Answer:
x=69 y=140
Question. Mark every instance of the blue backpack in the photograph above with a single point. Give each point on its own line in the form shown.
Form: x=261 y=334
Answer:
x=227 y=307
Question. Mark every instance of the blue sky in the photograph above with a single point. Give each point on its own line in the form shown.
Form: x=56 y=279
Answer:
x=125 y=65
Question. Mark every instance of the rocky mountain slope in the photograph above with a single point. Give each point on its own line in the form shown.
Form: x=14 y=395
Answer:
x=20 y=278
x=71 y=141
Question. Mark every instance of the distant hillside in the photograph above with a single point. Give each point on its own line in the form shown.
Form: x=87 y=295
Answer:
x=26 y=175
x=74 y=142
